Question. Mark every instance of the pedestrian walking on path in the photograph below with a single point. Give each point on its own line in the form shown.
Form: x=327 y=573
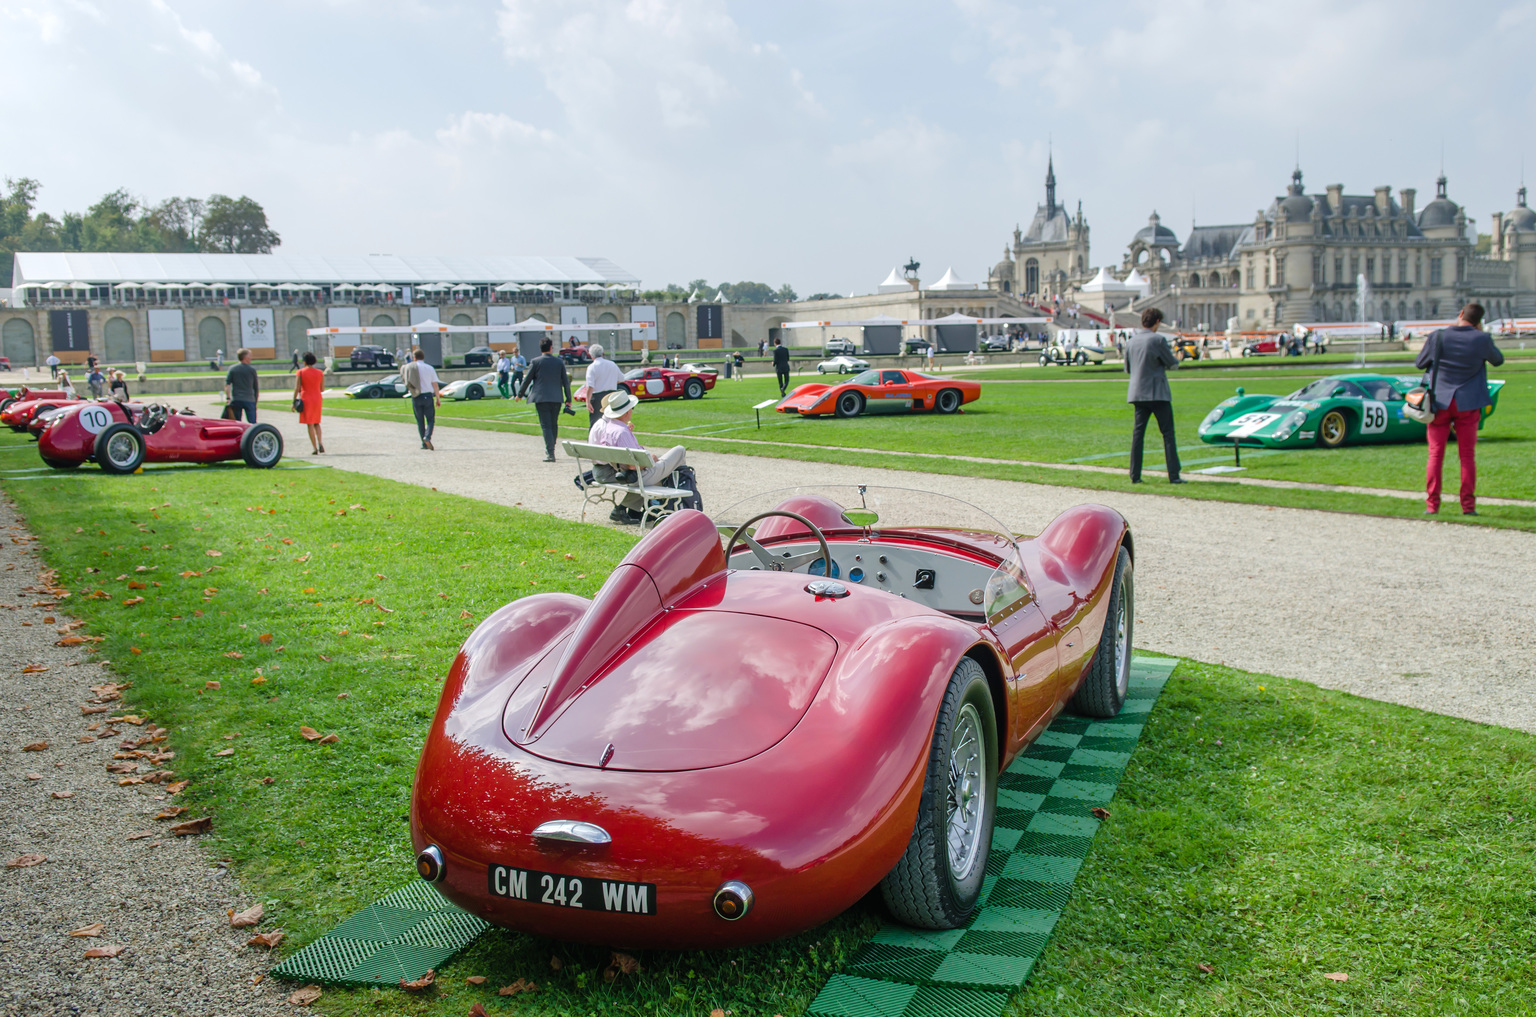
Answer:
x=307 y=385
x=547 y=380
x=242 y=388
x=1147 y=360
x=1458 y=357
x=504 y=376
x=425 y=390
x=781 y=365
x=603 y=377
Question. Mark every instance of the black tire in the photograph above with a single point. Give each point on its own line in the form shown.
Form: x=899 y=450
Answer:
x=261 y=447
x=5 y=403
x=1045 y=360
x=1082 y=359
x=1247 y=352
x=61 y=464
x=624 y=387
x=948 y=401
x=924 y=890
x=849 y=404
x=1333 y=429
x=1103 y=688
x=119 y=448
x=369 y=393
x=693 y=388
x=475 y=392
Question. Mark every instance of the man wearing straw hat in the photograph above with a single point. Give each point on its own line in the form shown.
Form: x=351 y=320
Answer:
x=615 y=430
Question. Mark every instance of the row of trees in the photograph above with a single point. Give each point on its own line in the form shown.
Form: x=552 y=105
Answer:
x=121 y=222
x=736 y=293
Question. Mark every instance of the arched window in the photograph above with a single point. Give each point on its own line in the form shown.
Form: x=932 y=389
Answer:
x=608 y=339
x=463 y=342
x=210 y=337
x=1418 y=309
x=677 y=330
x=1141 y=259
x=16 y=339
x=1194 y=279
x=298 y=342
x=1032 y=276
x=381 y=321
x=117 y=340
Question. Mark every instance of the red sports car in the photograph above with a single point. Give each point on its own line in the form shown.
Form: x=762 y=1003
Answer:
x=20 y=412
x=121 y=437
x=665 y=383
x=729 y=745
x=885 y=390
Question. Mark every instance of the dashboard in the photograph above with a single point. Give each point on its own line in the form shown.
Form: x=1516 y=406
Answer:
x=950 y=583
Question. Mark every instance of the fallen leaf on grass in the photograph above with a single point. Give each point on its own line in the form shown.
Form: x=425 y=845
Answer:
x=717 y=1012
x=35 y=747
x=189 y=574
x=309 y=589
x=234 y=655
x=26 y=861
x=225 y=752
x=214 y=554
x=265 y=637
x=213 y=685
x=1099 y=813
x=305 y=996
x=424 y=982
x=172 y=811
x=134 y=584
x=476 y=979
x=266 y=780
x=521 y=985
x=1206 y=968
x=555 y=963
x=104 y=951
x=247 y=918
x=259 y=680
x=193 y=826
x=343 y=695
x=465 y=614
x=135 y=650
x=88 y=931
x=478 y=1011
x=330 y=739
x=63 y=794
x=308 y=733
x=131 y=601
x=1337 y=976
x=620 y=964
x=267 y=939
x=34 y=668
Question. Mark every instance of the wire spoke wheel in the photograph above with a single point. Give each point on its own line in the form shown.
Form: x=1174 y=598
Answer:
x=122 y=449
x=265 y=446
x=966 y=793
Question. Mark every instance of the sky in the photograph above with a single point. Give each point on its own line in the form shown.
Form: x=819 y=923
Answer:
x=816 y=144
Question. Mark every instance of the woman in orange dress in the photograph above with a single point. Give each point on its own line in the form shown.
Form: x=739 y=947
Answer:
x=306 y=387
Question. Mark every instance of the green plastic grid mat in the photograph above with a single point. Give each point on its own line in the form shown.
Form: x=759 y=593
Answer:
x=403 y=935
x=1045 y=825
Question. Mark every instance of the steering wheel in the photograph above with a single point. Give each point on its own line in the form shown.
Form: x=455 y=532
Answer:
x=765 y=556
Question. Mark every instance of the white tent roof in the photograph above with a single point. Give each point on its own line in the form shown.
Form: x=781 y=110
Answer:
x=950 y=281
x=1138 y=281
x=527 y=325
x=1105 y=283
x=882 y=319
x=894 y=283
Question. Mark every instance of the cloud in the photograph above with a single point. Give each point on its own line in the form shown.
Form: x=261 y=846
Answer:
x=211 y=53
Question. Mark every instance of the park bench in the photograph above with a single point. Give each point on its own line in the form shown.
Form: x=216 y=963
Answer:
x=660 y=502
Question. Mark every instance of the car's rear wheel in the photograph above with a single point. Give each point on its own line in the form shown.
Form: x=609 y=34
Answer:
x=119 y=448
x=61 y=464
x=369 y=393
x=1247 y=352
x=937 y=882
x=1045 y=360
x=1332 y=429
x=5 y=403
x=849 y=404
x=1103 y=689
x=475 y=392
x=1082 y=358
x=261 y=447
x=947 y=401
x=693 y=389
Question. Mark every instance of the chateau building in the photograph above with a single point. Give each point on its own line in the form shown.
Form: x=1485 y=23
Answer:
x=1302 y=259
x=1051 y=255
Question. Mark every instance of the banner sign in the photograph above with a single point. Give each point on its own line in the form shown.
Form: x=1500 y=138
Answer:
x=420 y=314
x=573 y=314
x=711 y=321
x=258 y=331
x=70 y=331
x=166 y=332
x=644 y=338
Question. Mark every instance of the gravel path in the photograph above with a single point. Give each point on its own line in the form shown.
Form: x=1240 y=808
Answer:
x=161 y=897
x=1330 y=598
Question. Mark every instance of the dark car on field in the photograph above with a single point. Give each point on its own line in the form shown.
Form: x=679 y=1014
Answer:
x=391 y=386
x=371 y=356
x=918 y=346
x=480 y=356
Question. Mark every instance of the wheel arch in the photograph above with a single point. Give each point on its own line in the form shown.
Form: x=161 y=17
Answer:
x=986 y=657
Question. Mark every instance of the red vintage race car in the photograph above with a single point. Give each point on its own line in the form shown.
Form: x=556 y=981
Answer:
x=121 y=437
x=665 y=383
x=885 y=390
x=19 y=413
x=729 y=745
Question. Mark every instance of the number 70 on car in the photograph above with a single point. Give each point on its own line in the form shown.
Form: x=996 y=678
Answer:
x=615 y=895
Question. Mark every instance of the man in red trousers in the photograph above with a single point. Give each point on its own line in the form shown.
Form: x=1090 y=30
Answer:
x=1457 y=359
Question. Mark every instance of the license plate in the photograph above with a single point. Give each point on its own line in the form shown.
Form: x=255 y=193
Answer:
x=586 y=892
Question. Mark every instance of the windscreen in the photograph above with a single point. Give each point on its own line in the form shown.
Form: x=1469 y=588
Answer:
x=883 y=509
x=865 y=378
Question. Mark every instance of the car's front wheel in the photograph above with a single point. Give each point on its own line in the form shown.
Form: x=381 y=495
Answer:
x=849 y=404
x=475 y=392
x=1082 y=359
x=120 y=448
x=1103 y=689
x=937 y=882
x=1045 y=360
x=1332 y=429
x=261 y=447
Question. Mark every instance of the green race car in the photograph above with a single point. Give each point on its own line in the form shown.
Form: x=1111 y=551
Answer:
x=1342 y=409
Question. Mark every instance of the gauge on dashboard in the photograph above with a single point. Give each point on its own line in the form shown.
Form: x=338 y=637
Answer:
x=855 y=575
x=819 y=568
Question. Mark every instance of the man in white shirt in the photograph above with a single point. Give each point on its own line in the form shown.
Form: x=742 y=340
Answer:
x=424 y=389
x=53 y=365
x=504 y=376
x=614 y=429
x=603 y=377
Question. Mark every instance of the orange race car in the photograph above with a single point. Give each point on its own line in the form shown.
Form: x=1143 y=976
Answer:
x=882 y=391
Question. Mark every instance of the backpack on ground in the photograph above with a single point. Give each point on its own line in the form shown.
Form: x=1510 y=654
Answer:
x=684 y=479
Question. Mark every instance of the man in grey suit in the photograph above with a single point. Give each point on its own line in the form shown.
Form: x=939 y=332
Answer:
x=547 y=381
x=1459 y=356
x=1147 y=359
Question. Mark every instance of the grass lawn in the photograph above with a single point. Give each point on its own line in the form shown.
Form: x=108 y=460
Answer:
x=1270 y=830
x=1065 y=416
